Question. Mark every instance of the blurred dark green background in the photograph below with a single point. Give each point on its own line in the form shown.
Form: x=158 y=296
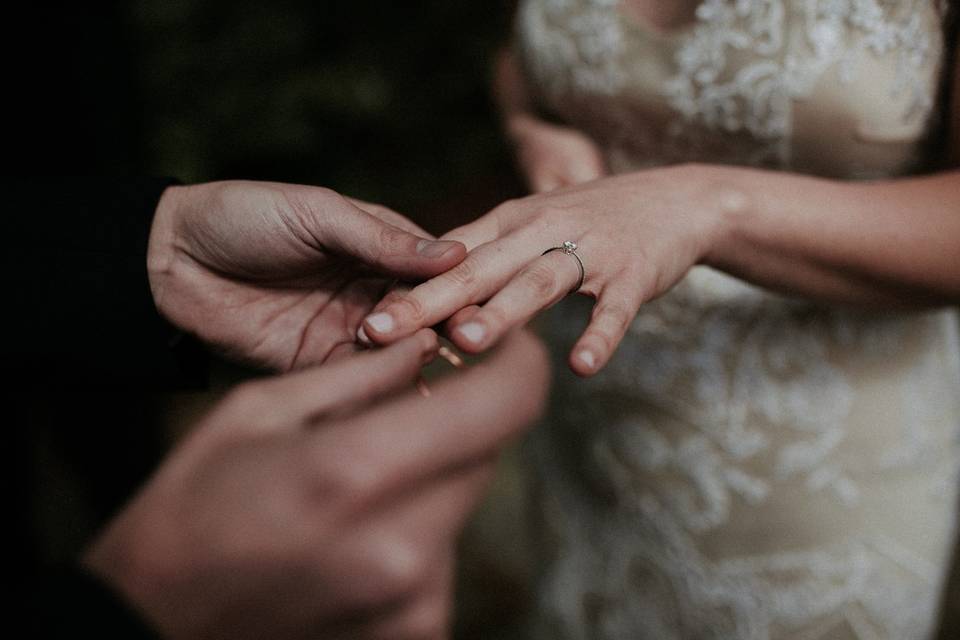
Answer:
x=385 y=101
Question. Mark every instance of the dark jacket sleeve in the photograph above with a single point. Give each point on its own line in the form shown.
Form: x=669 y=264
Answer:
x=75 y=604
x=79 y=310
x=79 y=315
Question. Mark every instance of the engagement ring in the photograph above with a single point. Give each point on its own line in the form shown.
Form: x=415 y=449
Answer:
x=570 y=248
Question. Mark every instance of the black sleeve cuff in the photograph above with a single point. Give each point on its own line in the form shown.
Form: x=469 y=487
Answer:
x=81 y=313
x=72 y=603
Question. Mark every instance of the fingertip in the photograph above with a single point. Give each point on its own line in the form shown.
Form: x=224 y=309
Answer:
x=584 y=362
x=379 y=327
x=471 y=336
x=401 y=318
x=459 y=318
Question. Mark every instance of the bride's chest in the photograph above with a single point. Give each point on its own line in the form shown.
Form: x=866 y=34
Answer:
x=760 y=82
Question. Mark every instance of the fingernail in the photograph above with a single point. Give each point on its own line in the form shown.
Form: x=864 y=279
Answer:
x=434 y=248
x=362 y=336
x=381 y=322
x=587 y=358
x=472 y=331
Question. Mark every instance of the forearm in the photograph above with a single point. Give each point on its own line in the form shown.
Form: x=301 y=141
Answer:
x=892 y=243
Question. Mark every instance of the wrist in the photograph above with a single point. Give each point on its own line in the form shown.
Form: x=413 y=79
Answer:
x=723 y=206
x=138 y=559
x=116 y=569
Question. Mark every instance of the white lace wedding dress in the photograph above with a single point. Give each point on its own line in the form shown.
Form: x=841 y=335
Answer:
x=748 y=466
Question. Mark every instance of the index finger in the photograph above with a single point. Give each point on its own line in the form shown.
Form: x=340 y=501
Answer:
x=471 y=235
x=293 y=400
x=482 y=273
x=468 y=417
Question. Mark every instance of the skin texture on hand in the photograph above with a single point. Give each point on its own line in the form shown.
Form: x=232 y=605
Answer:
x=280 y=275
x=892 y=244
x=325 y=503
x=637 y=237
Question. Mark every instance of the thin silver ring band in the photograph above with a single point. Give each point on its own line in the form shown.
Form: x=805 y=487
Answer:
x=570 y=248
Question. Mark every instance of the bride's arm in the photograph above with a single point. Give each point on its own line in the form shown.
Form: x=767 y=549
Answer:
x=892 y=243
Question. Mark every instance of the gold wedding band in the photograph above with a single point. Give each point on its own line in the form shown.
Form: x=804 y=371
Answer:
x=450 y=356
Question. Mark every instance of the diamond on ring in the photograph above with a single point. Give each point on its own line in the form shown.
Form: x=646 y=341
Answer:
x=570 y=248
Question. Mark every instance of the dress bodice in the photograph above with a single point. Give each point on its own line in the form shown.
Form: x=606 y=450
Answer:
x=748 y=465
x=840 y=88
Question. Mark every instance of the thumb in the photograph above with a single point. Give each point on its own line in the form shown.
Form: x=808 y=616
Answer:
x=390 y=249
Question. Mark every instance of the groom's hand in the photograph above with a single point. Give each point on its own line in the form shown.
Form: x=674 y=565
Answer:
x=322 y=503
x=280 y=275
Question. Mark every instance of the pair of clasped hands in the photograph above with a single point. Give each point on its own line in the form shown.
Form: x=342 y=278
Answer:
x=326 y=501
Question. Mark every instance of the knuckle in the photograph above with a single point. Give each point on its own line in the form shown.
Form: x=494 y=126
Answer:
x=397 y=569
x=602 y=339
x=350 y=484
x=294 y=209
x=542 y=280
x=390 y=241
x=553 y=211
x=507 y=207
x=546 y=216
x=495 y=318
x=409 y=307
x=614 y=316
x=604 y=335
x=464 y=274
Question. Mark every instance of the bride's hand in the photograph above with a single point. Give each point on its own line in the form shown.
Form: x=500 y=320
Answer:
x=637 y=235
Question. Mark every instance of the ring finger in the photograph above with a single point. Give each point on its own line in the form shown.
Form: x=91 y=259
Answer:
x=483 y=272
x=540 y=285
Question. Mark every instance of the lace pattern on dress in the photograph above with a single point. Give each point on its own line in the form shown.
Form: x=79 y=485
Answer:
x=757 y=97
x=729 y=411
x=738 y=72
